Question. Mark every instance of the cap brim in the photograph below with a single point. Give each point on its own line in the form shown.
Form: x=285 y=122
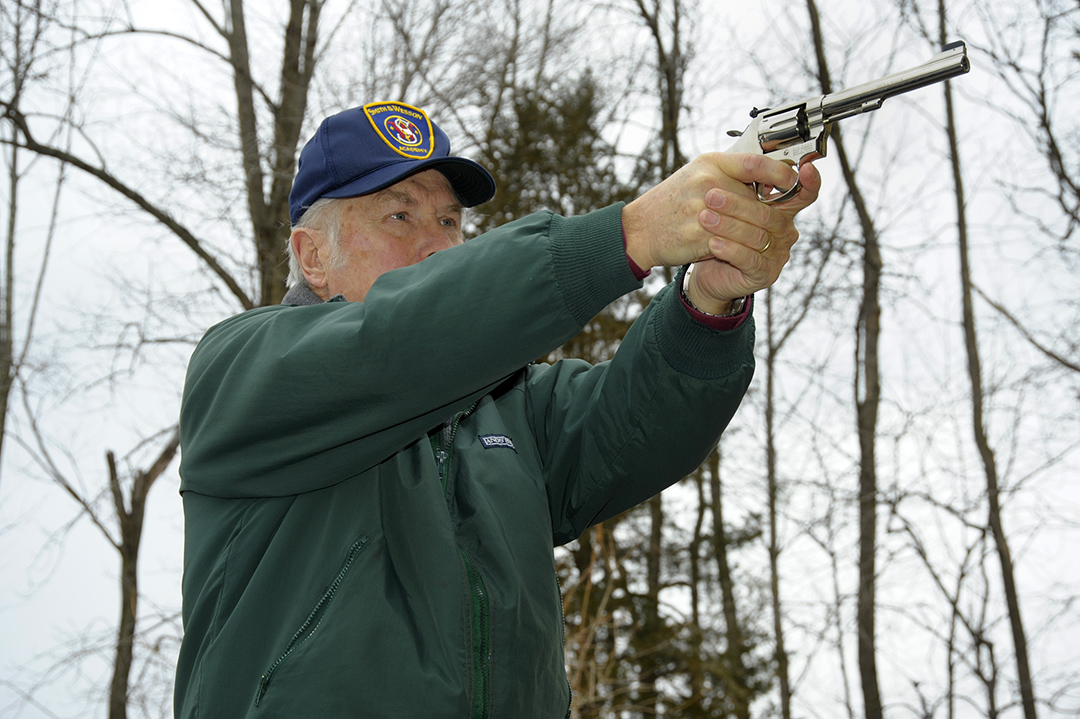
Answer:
x=472 y=184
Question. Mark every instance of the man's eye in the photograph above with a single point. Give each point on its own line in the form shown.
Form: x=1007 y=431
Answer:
x=398 y=216
x=449 y=222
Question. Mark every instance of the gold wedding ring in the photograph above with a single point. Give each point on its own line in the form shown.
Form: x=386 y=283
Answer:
x=764 y=249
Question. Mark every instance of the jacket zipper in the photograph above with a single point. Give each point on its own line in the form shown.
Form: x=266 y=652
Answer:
x=442 y=444
x=562 y=624
x=481 y=640
x=314 y=619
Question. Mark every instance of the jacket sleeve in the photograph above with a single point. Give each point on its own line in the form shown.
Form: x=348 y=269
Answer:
x=284 y=400
x=613 y=435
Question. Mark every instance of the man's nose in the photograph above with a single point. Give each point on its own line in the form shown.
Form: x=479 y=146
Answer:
x=437 y=236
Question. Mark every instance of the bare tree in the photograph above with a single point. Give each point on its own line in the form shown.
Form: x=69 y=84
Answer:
x=130 y=512
x=978 y=393
x=867 y=396
x=737 y=685
x=269 y=208
x=22 y=47
x=593 y=629
x=1038 y=87
x=121 y=524
x=824 y=532
x=969 y=615
x=267 y=168
x=665 y=21
x=1041 y=79
x=806 y=290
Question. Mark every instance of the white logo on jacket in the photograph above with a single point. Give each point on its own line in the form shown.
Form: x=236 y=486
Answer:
x=490 y=441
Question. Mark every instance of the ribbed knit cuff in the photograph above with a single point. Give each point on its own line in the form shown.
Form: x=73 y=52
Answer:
x=590 y=261
x=694 y=348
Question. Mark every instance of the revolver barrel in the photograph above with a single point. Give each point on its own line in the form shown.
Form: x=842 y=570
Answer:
x=951 y=62
x=799 y=130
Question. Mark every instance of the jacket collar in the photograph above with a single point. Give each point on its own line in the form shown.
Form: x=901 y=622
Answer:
x=301 y=294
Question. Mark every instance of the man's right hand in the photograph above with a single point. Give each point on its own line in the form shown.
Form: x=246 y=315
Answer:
x=708 y=210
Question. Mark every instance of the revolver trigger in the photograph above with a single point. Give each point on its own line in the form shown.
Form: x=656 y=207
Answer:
x=780 y=196
x=734 y=133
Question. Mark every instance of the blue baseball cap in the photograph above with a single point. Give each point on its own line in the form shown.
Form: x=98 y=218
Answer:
x=366 y=149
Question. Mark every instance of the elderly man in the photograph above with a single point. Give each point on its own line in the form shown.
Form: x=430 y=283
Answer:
x=374 y=474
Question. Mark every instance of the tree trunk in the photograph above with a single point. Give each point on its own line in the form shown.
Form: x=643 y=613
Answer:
x=737 y=686
x=270 y=213
x=986 y=453
x=782 y=670
x=671 y=68
x=651 y=626
x=867 y=401
x=131 y=527
x=7 y=313
x=694 y=662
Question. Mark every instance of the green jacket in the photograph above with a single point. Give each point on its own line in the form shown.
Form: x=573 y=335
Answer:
x=350 y=552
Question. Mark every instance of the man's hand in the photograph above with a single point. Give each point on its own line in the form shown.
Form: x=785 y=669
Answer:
x=707 y=213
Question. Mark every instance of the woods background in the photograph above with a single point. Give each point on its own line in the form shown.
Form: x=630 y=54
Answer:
x=890 y=526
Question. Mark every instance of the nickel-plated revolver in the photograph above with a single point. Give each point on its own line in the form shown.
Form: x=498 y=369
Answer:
x=800 y=129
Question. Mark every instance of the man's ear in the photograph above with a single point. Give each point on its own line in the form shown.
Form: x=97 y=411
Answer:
x=310 y=250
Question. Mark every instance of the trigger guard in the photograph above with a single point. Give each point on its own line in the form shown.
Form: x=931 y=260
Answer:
x=784 y=195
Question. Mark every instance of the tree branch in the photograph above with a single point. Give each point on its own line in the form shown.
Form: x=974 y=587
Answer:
x=44 y=459
x=1024 y=332
x=181 y=232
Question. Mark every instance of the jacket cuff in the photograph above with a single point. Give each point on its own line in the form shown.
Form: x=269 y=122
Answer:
x=695 y=349
x=590 y=261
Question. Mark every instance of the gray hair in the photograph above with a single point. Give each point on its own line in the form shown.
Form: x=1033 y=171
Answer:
x=322 y=216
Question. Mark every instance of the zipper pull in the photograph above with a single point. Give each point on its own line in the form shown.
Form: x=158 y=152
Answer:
x=441 y=457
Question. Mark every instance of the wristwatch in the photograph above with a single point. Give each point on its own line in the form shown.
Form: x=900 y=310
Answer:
x=737 y=305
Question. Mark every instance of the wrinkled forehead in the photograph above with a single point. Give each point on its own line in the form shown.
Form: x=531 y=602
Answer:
x=428 y=186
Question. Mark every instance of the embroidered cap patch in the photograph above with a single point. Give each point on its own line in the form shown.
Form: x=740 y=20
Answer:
x=490 y=441
x=406 y=129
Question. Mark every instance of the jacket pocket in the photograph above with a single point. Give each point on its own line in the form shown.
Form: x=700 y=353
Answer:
x=314 y=618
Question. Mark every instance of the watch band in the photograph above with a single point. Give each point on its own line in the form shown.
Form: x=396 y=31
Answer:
x=737 y=305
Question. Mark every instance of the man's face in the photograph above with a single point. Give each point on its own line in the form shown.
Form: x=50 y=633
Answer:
x=396 y=227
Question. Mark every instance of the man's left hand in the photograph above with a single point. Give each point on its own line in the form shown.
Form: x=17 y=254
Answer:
x=746 y=256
